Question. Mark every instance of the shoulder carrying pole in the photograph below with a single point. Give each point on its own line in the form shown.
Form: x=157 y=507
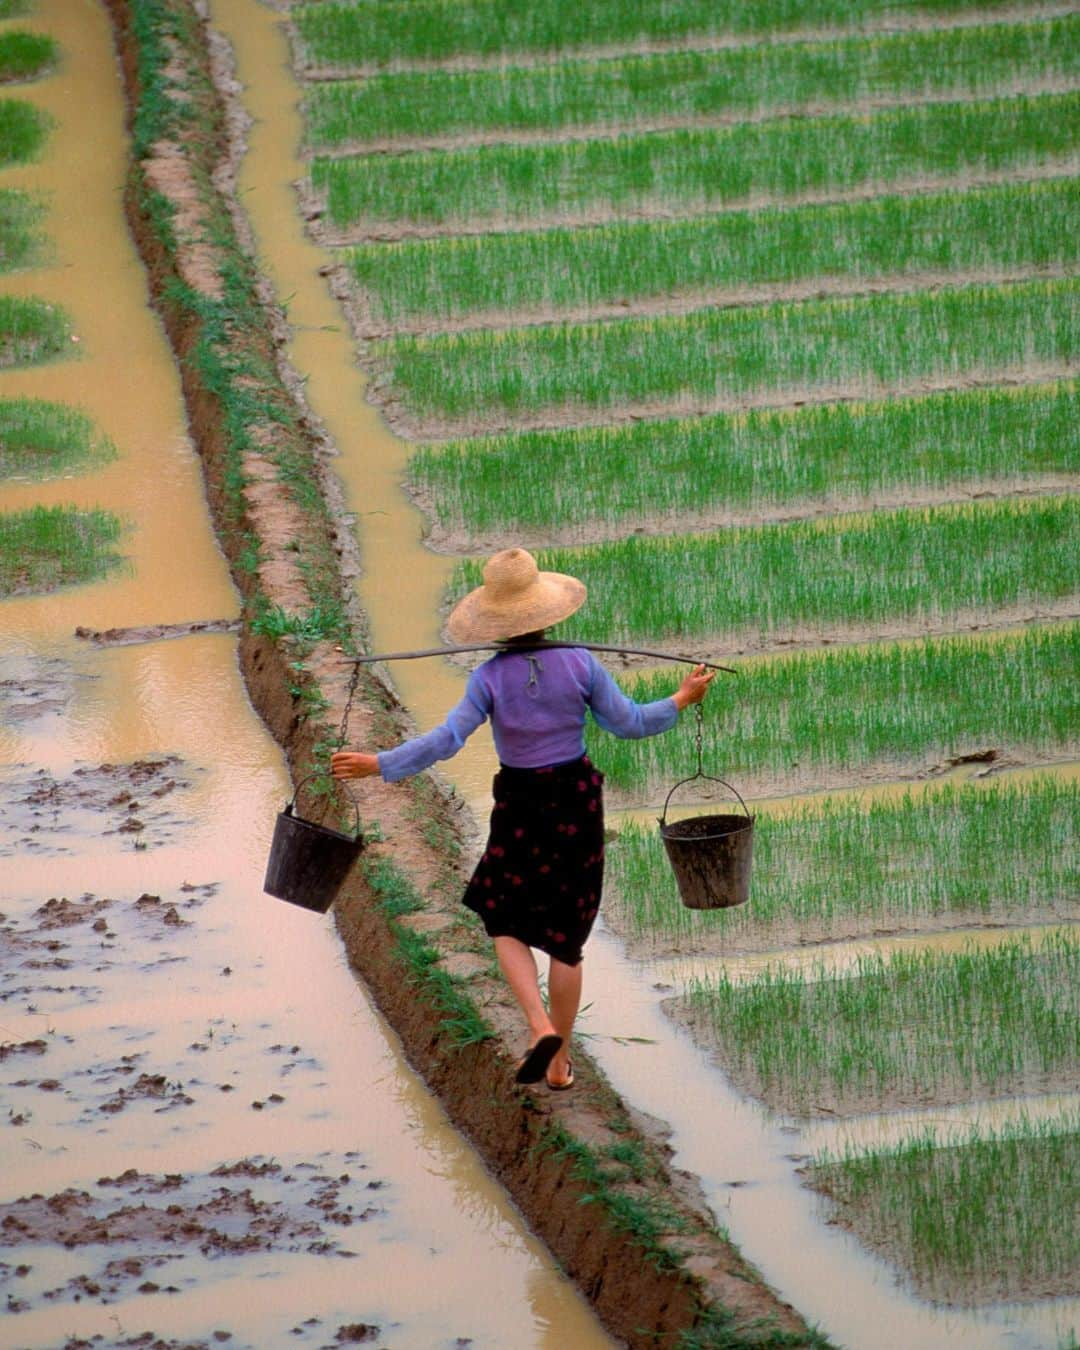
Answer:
x=540 y=645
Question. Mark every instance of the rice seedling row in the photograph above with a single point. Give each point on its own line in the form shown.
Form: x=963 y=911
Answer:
x=711 y=355
x=971 y=1218
x=657 y=471
x=41 y=439
x=23 y=129
x=844 y=713
x=31 y=330
x=827 y=576
x=340 y=34
x=46 y=547
x=20 y=239
x=635 y=90
x=25 y=55
x=9 y=9
x=920 y=1027
x=459 y=278
x=844 y=869
x=695 y=170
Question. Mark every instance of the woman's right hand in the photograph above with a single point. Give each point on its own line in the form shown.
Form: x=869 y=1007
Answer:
x=694 y=688
x=350 y=764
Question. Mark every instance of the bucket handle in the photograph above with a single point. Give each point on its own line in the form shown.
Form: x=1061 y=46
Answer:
x=693 y=777
x=307 y=779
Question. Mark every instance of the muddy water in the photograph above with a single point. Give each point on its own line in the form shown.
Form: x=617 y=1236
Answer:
x=750 y=1178
x=157 y=1012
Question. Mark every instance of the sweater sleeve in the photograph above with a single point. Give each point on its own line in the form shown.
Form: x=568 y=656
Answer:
x=620 y=715
x=413 y=756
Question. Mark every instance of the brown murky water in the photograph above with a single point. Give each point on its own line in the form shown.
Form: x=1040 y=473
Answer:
x=157 y=1012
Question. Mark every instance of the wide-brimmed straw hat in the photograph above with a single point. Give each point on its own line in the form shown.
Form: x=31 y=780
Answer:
x=516 y=598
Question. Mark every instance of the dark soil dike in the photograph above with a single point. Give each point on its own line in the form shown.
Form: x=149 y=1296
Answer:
x=681 y=1282
x=125 y=637
x=46 y=689
x=42 y=814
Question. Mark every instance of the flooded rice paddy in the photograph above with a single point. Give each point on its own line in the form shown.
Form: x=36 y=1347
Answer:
x=746 y=1158
x=208 y=1134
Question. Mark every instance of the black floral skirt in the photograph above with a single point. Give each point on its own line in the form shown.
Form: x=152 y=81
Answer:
x=541 y=874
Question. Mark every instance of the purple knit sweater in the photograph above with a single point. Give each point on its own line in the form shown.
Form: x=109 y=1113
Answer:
x=536 y=702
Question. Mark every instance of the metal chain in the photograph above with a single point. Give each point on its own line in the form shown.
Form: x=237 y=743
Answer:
x=699 y=736
x=343 y=730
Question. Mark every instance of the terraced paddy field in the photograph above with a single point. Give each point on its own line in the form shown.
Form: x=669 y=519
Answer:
x=762 y=320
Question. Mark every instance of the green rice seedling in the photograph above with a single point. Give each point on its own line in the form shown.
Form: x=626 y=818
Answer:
x=827 y=575
x=972 y=1217
x=845 y=868
x=919 y=1026
x=636 y=90
x=9 y=9
x=39 y=439
x=19 y=238
x=695 y=170
x=372 y=35
x=1000 y=229
x=31 y=330
x=24 y=55
x=46 y=547
x=812 y=717
x=23 y=129
x=835 y=453
x=713 y=355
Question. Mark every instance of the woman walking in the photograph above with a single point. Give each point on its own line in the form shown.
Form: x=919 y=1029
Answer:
x=539 y=880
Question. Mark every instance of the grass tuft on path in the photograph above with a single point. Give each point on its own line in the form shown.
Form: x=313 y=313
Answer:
x=41 y=439
x=50 y=546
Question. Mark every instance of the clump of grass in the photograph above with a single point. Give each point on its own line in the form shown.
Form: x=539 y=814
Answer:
x=971 y=1217
x=23 y=129
x=920 y=1026
x=825 y=575
x=20 y=240
x=803 y=718
x=31 y=330
x=24 y=55
x=711 y=354
x=1018 y=226
x=341 y=34
x=848 y=868
x=694 y=170
x=46 y=547
x=827 y=453
x=39 y=439
x=635 y=89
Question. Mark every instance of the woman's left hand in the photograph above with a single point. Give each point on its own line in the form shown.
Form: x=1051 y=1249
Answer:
x=350 y=764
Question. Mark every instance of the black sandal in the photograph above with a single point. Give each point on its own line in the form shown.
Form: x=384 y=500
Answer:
x=535 y=1064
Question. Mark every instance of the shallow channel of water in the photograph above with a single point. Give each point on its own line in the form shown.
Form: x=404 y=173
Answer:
x=240 y=1015
x=750 y=1179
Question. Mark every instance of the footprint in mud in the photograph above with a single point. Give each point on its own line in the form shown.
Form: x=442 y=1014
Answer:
x=149 y=1233
x=42 y=814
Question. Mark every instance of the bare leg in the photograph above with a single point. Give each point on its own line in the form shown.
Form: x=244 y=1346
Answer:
x=564 y=994
x=519 y=966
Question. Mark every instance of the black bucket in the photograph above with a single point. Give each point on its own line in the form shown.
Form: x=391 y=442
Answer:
x=710 y=855
x=308 y=862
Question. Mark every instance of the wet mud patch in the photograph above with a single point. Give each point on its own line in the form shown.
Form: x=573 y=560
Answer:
x=134 y=803
x=47 y=691
x=150 y=1233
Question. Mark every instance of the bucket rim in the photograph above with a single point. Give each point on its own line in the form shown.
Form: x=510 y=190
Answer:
x=287 y=813
x=739 y=825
